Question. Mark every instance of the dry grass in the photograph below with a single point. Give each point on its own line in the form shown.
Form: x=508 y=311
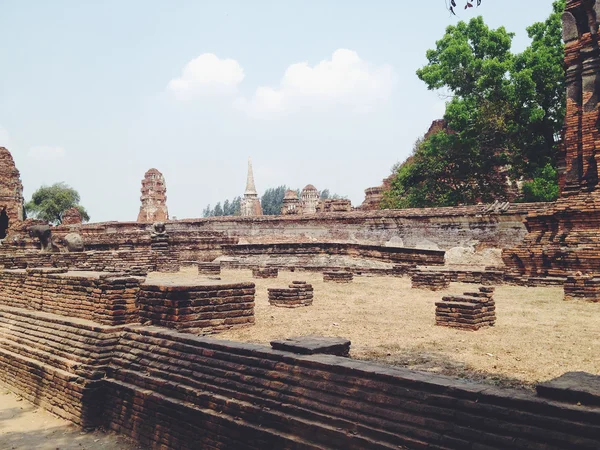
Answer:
x=537 y=336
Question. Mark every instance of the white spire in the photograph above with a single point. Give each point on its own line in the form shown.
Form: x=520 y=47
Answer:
x=250 y=188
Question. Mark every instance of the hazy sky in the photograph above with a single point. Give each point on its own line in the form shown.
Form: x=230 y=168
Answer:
x=315 y=91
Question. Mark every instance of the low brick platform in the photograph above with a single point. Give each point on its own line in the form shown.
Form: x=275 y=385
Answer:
x=199 y=308
x=207 y=268
x=433 y=281
x=470 y=311
x=582 y=287
x=106 y=298
x=313 y=345
x=298 y=294
x=57 y=363
x=265 y=272
x=338 y=277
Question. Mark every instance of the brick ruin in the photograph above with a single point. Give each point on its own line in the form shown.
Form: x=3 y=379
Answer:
x=265 y=272
x=298 y=294
x=11 y=189
x=470 y=311
x=338 y=277
x=154 y=198
x=564 y=238
x=72 y=217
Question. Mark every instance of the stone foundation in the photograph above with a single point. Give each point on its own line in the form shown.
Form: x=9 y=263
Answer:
x=265 y=272
x=107 y=299
x=470 y=311
x=582 y=287
x=209 y=268
x=338 y=277
x=198 y=308
x=433 y=281
x=298 y=294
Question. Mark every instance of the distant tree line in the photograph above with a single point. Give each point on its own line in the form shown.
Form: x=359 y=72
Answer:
x=228 y=208
x=271 y=202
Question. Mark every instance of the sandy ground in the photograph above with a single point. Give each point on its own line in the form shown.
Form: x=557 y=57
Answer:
x=537 y=336
x=26 y=427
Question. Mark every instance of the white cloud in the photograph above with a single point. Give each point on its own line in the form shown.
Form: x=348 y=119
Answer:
x=46 y=153
x=344 y=80
x=207 y=74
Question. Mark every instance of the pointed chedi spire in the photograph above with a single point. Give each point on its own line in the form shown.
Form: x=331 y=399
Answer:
x=250 y=187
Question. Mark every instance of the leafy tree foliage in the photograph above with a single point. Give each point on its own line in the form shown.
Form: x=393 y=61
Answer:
x=326 y=195
x=50 y=202
x=229 y=208
x=543 y=188
x=272 y=200
x=505 y=115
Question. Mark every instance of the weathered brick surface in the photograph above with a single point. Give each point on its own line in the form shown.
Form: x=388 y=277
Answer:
x=265 y=272
x=433 y=281
x=397 y=255
x=154 y=198
x=582 y=287
x=471 y=311
x=186 y=392
x=55 y=362
x=207 y=268
x=298 y=294
x=202 y=307
x=338 y=277
x=11 y=189
x=104 y=298
x=172 y=390
x=564 y=237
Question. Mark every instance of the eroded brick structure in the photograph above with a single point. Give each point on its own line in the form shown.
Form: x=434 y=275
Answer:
x=154 y=198
x=72 y=217
x=11 y=189
x=566 y=237
x=470 y=311
x=309 y=197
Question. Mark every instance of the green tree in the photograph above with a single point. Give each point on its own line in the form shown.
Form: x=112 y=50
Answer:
x=272 y=199
x=218 y=211
x=50 y=202
x=543 y=188
x=505 y=115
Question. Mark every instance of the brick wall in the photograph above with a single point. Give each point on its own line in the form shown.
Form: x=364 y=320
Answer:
x=103 y=298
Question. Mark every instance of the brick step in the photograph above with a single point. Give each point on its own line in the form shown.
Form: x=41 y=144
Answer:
x=48 y=340
x=185 y=427
x=424 y=397
x=413 y=411
x=322 y=429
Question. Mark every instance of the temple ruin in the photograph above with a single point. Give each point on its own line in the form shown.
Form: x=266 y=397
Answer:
x=250 y=205
x=564 y=237
x=154 y=198
x=11 y=189
x=118 y=336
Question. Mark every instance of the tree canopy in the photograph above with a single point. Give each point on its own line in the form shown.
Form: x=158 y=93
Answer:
x=50 y=202
x=504 y=116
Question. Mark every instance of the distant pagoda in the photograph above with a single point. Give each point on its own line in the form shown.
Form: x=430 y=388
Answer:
x=250 y=205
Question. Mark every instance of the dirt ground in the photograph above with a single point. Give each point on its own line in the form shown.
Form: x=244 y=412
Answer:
x=537 y=336
x=26 y=427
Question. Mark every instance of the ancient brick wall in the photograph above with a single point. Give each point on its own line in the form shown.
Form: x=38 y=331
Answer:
x=396 y=255
x=201 y=307
x=178 y=391
x=56 y=363
x=11 y=188
x=184 y=392
x=104 y=298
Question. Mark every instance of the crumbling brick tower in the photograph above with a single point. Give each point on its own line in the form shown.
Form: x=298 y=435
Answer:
x=566 y=237
x=11 y=189
x=154 y=198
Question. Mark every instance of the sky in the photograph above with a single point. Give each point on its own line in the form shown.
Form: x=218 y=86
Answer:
x=324 y=92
